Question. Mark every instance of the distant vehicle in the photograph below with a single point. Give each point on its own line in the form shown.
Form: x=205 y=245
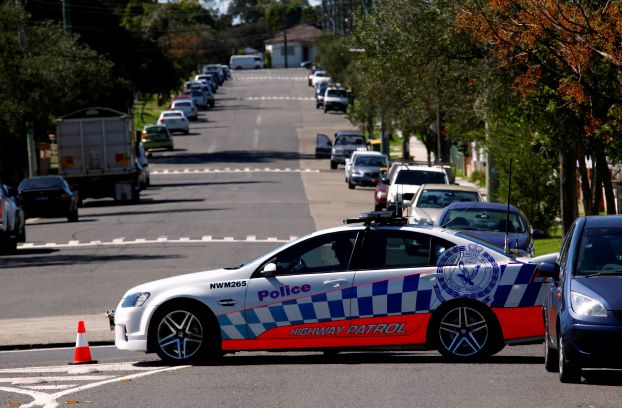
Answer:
x=405 y=180
x=320 y=90
x=363 y=168
x=175 y=121
x=380 y=193
x=12 y=221
x=143 y=162
x=306 y=64
x=335 y=99
x=432 y=198
x=187 y=107
x=488 y=222
x=157 y=137
x=209 y=79
x=48 y=197
x=245 y=62
x=583 y=309
x=312 y=72
x=318 y=77
x=346 y=142
x=199 y=99
x=96 y=153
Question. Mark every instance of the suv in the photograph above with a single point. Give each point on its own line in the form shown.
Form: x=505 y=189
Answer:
x=12 y=221
x=346 y=142
x=335 y=99
x=405 y=180
x=363 y=168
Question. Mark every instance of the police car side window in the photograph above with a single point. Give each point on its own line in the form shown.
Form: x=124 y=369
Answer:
x=386 y=249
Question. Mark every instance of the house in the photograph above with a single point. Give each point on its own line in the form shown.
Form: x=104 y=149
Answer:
x=300 y=46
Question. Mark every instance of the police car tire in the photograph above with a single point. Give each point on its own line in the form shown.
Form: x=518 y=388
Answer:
x=569 y=372
x=208 y=351
x=490 y=343
x=551 y=356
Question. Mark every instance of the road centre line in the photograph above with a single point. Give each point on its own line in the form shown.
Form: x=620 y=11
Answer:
x=159 y=240
x=229 y=170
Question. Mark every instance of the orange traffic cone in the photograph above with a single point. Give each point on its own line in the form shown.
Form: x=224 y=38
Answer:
x=82 y=354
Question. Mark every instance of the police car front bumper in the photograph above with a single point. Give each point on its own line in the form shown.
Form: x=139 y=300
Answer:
x=130 y=328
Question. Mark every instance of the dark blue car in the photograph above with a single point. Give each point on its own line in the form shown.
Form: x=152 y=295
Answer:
x=583 y=310
x=489 y=222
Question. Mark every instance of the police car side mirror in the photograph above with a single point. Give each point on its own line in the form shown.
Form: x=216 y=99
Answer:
x=269 y=270
x=548 y=270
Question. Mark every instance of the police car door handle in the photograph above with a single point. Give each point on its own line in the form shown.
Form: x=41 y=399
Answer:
x=429 y=276
x=226 y=302
x=335 y=283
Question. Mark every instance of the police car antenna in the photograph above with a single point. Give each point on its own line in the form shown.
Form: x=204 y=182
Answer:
x=506 y=241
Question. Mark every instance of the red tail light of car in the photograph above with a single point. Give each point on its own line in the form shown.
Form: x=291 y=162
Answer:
x=64 y=197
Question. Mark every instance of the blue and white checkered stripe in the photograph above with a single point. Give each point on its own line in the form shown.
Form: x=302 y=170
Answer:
x=402 y=295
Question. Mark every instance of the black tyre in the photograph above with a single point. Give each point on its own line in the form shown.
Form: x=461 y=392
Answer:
x=181 y=334
x=73 y=216
x=8 y=246
x=466 y=331
x=377 y=207
x=351 y=186
x=333 y=165
x=569 y=372
x=551 y=356
x=186 y=132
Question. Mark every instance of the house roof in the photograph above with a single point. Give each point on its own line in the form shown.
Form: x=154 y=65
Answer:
x=300 y=33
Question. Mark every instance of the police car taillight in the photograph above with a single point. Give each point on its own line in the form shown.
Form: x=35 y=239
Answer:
x=539 y=277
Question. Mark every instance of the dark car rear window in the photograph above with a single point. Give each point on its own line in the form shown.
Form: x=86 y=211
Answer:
x=350 y=139
x=160 y=130
x=41 y=182
x=418 y=177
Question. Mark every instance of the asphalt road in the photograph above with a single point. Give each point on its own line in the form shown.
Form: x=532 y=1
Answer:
x=242 y=182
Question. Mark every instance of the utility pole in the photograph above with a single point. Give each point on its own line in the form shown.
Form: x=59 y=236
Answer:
x=30 y=139
x=285 y=46
x=66 y=15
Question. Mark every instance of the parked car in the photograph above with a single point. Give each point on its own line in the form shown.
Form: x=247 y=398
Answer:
x=363 y=168
x=175 y=121
x=488 y=221
x=143 y=163
x=583 y=309
x=320 y=90
x=12 y=221
x=405 y=180
x=157 y=137
x=319 y=77
x=346 y=142
x=199 y=98
x=312 y=72
x=245 y=62
x=373 y=283
x=187 y=107
x=209 y=80
x=430 y=200
x=335 y=99
x=47 y=197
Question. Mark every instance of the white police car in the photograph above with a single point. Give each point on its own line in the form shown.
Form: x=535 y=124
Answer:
x=379 y=283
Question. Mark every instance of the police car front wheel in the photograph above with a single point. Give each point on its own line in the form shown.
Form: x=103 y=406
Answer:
x=465 y=332
x=180 y=335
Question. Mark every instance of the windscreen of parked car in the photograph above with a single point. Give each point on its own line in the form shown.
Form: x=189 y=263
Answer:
x=442 y=198
x=41 y=182
x=370 y=161
x=600 y=252
x=183 y=104
x=418 y=177
x=482 y=219
x=350 y=140
x=337 y=93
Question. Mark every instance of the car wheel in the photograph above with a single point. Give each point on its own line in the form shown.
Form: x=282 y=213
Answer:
x=377 y=207
x=186 y=132
x=170 y=148
x=8 y=245
x=325 y=110
x=181 y=335
x=317 y=106
x=21 y=236
x=351 y=186
x=465 y=332
x=333 y=165
x=568 y=371
x=551 y=356
x=73 y=216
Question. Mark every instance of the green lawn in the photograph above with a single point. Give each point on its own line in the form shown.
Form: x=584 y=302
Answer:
x=147 y=112
x=547 y=245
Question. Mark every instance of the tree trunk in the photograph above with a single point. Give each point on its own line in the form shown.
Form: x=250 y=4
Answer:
x=602 y=169
x=568 y=186
x=586 y=192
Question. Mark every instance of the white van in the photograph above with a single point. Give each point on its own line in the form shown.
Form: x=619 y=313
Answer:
x=245 y=62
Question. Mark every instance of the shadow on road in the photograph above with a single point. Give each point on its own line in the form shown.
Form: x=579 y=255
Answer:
x=163 y=211
x=143 y=201
x=205 y=183
x=242 y=157
x=603 y=377
x=60 y=260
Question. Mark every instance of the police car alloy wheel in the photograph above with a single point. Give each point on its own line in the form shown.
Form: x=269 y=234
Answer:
x=180 y=335
x=568 y=372
x=464 y=333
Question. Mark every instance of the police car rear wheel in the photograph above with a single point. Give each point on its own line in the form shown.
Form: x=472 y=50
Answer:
x=464 y=333
x=180 y=335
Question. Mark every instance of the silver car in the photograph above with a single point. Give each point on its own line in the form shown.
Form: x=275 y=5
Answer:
x=430 y=200
x=363 y=168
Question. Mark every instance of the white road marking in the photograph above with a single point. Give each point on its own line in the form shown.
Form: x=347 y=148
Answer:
x=50 y=387
x=229 y=170
x=145 y=241
x=104 y=367
x=279 y=98
x=46 y=350
x=31 y=380
x=258 y=121
x=275 y=78
x=46 y=400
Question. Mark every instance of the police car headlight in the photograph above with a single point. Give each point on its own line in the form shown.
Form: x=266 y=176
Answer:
x=135 y=299
x=586 y=306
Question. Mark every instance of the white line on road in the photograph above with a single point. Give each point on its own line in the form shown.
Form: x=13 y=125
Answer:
x=159 y=240
x=229 y=170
